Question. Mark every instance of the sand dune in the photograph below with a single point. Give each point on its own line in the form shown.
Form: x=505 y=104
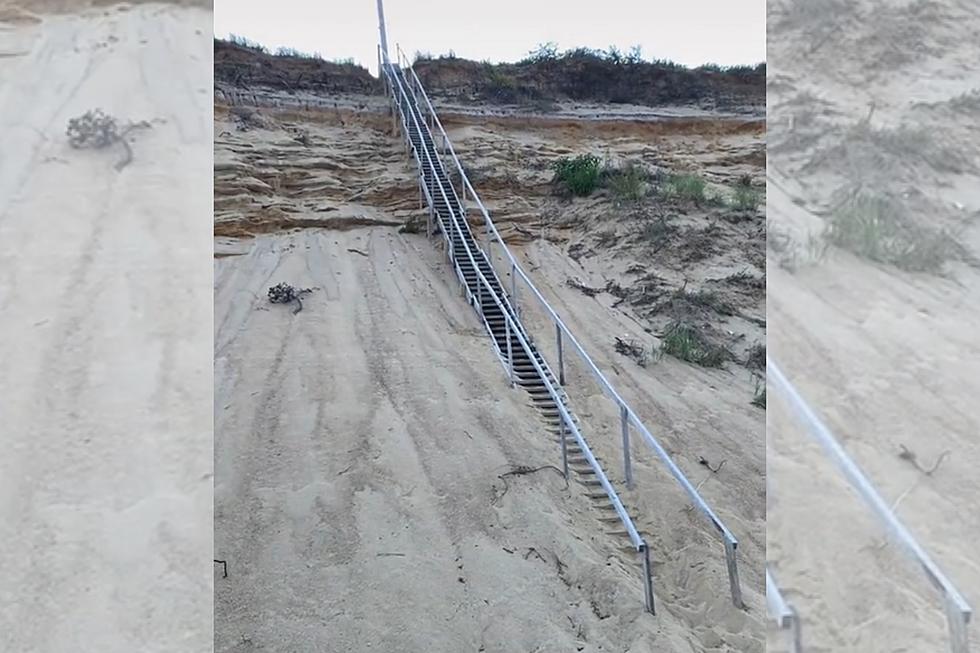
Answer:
x=385 y=376
x=105 y=479
x=888 y=356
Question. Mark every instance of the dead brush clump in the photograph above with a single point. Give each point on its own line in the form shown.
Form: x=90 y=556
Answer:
x=699 y=243
x=631 y=349
x=755 y=359
x=865 y=152
x=98 y=130
x=747 y=280
x=880 y=229
x=759 y=398
x=656 y=232
x=710 y=301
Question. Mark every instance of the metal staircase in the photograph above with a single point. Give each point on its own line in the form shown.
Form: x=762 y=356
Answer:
x=525 y=365
x=450 y=219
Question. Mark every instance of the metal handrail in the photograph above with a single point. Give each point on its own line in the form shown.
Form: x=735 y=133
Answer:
x=958 y=611
x=638 y=542
x=729 y=539
x=781 y=612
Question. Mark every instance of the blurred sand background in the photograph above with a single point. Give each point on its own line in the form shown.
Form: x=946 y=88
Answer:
x=105 y=376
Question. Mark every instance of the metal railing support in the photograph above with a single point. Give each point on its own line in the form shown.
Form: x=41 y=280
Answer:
x=627 y=464
x=561 y=356
x=732 y=562
x=513 y=286
x=784 y=616
x=510 y=354
x=647 y=579
x=564 y=447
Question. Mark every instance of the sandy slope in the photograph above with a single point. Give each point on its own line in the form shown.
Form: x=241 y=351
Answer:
x=318 y=470
x=358 y=453
x=105 y=479
x=888 y=357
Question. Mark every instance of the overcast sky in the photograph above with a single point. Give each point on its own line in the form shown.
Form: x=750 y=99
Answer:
x=691 y=32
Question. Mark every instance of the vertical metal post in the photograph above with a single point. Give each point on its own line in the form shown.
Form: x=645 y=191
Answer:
x=796 y=636
x=510 y=352
x=732 y=563
x=959 y=640
x=627 y=463
x=513 y=286
x=564 y=445
x=647 y=580
x=381 y=28
x=479 y=296
x=561 y=356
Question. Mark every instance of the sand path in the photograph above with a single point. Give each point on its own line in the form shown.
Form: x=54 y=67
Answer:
x=105 y=480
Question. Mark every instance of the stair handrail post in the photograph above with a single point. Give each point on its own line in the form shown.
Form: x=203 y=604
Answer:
x=561 y=355
x=647 y=579
x=733 y=582
x=564 y=446
x=627 y=462
x=513 y=285
x=510 y=352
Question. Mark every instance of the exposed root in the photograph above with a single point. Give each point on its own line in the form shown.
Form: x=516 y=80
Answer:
x=522 y=470
x=909 y=455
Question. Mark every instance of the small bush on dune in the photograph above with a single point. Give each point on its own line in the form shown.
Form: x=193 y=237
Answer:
x=878 y=228
x=685 y=342
x=579 y=175
x=629 y=183
x=746 y=198
x=684 y=187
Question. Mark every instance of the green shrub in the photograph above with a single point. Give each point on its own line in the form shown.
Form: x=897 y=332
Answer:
x=879 y=229
x=684 y=187
x=685 y=342
x=629 y=183
x=746 y=198
x=580 y=175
